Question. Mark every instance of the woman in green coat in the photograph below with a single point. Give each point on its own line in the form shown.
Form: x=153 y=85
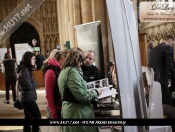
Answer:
x=76 y=98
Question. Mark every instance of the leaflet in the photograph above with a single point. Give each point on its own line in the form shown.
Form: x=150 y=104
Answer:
x=103 y=83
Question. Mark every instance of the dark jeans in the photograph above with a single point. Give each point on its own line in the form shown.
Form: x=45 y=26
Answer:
x=31 y=111
x=58 y=113
x=10 y=81
x=166 y=96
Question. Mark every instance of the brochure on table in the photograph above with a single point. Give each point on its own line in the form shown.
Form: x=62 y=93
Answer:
x=103 y=83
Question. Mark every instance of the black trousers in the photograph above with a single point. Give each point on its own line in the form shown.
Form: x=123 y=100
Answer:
x=10 y=81
x=166 y=96
x=31 y=111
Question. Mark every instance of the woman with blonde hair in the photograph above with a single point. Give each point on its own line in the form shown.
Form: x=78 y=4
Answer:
x=76 y=97
x=52 y=55
x=9 y=69
x=51 y=73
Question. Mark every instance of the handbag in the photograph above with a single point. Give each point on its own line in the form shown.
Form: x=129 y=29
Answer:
x=67 y=94
x=18 y=105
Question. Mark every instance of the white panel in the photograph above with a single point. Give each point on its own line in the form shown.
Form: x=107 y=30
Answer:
x=128 y=65
x=20 y=49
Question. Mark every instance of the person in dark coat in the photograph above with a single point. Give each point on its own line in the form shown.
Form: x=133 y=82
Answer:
x=161 y=60
x=39 y=60
x=46 y=55
x=90 y=71
x=150 y=47
x=28 y=95
x=111 y=73
x=9 y=69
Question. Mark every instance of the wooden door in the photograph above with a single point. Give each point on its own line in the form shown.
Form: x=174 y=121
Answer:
x=143 y=48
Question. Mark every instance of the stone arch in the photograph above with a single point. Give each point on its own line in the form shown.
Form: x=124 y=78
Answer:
x=39 y=27
x=24 y=34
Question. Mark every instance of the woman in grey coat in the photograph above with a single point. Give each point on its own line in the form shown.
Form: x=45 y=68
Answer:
x=27 y=86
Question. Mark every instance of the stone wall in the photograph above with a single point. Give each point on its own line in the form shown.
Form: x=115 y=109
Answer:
x=44 y=19
x=156 y=31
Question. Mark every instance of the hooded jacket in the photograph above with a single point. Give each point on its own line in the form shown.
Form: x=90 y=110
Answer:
x=50 y=81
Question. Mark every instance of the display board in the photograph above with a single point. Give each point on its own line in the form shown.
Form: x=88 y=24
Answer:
x=20 y=49
x=88 y=37
x=154 y=109
x=127 y=58
x=37 y=49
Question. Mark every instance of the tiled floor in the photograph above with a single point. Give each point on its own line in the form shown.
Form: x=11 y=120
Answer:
x=7 y=111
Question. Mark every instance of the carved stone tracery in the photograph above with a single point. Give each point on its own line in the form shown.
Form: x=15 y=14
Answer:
x=157 y=32
x=44 y=19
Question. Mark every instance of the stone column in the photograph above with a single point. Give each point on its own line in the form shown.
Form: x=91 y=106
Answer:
x=77 y=12
x=68 y=16
x=47 y=43
x=71 y=31
x=52 y=44
x=100 y=13
x=86 y=11
x=77 y=17
x=65 y=11
x=110 y=43
x=60 y=21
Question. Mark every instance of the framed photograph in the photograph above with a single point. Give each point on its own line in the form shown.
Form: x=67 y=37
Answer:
x=91 y=85
x=97 y=84
x=104 y=82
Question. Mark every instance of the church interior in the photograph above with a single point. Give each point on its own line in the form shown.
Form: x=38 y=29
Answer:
x=52 y=24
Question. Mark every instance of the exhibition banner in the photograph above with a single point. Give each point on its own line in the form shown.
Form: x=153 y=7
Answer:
x=157 y=11
x=88 y=37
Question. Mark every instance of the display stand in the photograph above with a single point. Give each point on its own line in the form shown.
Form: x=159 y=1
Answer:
x=106 y=106
x=20 y=49
x=155 y=107
x=109 y=111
